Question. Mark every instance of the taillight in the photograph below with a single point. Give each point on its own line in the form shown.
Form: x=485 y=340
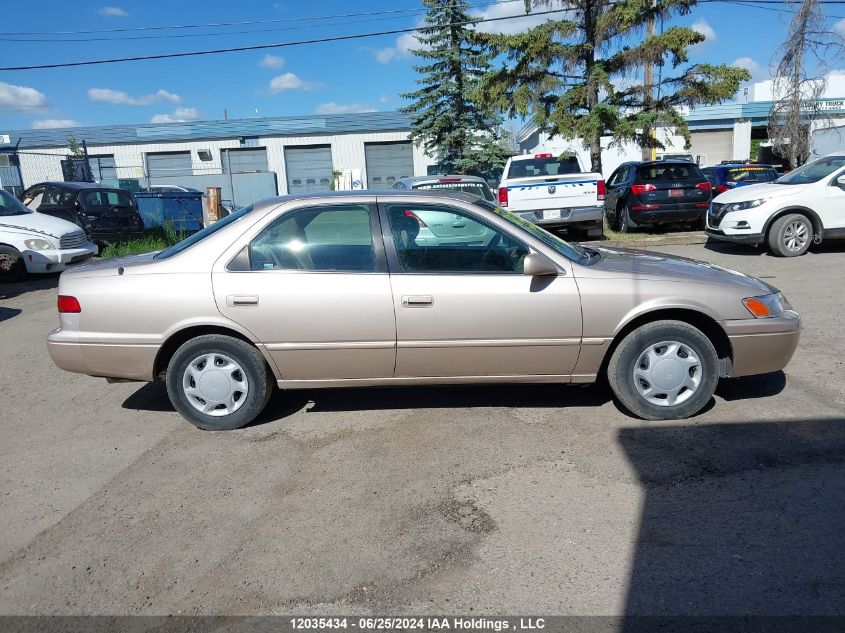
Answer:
x=721 y=188
x=641 y=189
x=503 y=196
x=544 y=155
x=706 y=186
x=449 y=179
x=601 y=190
x=68 y=304
x=411 y=214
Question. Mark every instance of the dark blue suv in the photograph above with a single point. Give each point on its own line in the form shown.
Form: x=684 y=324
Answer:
x=726 y=177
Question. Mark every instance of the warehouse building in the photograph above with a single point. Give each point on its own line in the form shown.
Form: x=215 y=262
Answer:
x=248 y=159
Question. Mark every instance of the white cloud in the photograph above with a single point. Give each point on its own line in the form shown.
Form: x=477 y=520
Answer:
x=839 y=28
x=340 y=108
x=706 y=30
x=49 y=124
x=384 y=99
x=405 y=43
x=179 y=115
x=20 y=98
x=510 y=9
x=288 y=81
x=118 y=97
x=272 y=61
x=757 y=71
x=113 y=12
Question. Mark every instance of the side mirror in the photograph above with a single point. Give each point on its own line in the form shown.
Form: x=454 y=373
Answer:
x=840 y=182
x=537 y=265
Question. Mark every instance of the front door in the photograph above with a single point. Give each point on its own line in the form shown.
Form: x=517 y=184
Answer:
x=315 y=291
x=464 y=308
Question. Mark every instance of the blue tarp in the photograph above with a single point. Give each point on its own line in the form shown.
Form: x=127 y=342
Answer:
x=182 y=209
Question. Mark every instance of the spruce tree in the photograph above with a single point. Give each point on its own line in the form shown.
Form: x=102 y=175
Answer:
x=577 y=75
x=445 y=120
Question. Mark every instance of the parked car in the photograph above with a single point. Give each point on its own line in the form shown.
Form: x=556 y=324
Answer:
x=332 y=290
x=107 y=215
x=729 y=176
x=468 y=184
x=553 y=192
x=806 y=205
x=35 y=243
x=652 y=193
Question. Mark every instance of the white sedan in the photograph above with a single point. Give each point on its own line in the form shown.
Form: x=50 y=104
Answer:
x=37 y=243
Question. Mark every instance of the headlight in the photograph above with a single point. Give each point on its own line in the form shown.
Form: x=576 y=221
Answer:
x=38 y=245
x=765 y=306
x=741 y=206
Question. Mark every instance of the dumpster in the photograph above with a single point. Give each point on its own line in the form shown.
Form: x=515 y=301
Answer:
x=183 y=209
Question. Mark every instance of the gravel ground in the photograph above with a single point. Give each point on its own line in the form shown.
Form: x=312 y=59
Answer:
x=431 y=500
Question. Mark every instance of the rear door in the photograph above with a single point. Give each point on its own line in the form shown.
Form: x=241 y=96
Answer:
x=109 y=209
x=673 y=183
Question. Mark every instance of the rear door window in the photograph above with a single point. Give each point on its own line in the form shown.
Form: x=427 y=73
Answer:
x=57 y=197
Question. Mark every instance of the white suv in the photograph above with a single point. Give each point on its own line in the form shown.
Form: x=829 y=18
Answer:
x=805 y=206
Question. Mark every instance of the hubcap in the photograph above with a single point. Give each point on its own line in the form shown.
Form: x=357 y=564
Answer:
x=667 y=373
x=796 y=235
x=215 y=384
x=6 y=263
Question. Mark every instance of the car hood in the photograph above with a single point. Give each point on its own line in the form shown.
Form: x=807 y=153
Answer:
x=641 y=264
x=40 y=223
x=761 y=190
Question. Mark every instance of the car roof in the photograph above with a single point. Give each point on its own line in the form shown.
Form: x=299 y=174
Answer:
x=419 y=179
x=76 y=185
x=369 y=193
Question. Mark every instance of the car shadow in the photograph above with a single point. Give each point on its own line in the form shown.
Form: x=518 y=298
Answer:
x=729 y=248
x=8 y=313
x=30 y=284
x=741 y=518
x=153 y=397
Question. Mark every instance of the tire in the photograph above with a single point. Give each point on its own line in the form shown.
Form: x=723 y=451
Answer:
x=242 y=370
x=625 y=224
x=694 y=357
x=12 y=266
x=790 y=235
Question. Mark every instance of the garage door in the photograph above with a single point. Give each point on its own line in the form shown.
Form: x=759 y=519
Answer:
x=245 y=161
x=387 y=163
x=308 y=169
x=712 y=146
x=169 y=164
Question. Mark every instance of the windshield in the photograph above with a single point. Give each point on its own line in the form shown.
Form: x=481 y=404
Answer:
x=544 y=166
x=476 y=188
x=9 y=205
x=204 y=233
x=570 y=250
x=813 y=172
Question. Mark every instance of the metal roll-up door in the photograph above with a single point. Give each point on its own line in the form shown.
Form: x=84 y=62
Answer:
x=308 y=169
x=387 y=163
x=245 y=161
x=169 y=164
x=710 y=147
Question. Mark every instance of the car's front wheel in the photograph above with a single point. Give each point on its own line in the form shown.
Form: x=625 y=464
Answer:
x=665 y=370
x=12 y=266
x=790 y=235
x=218 y=382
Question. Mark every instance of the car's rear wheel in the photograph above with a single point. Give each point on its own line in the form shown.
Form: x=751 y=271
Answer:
x=625 y=224
x=12 y=266
x=218 y=382
x=666 y=370
x=790 y=235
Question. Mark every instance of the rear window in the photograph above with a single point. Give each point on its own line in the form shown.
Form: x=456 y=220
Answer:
x=671 y=171
x=476 y=188
x=107 y=199
x=751 y=174
x=550 y=166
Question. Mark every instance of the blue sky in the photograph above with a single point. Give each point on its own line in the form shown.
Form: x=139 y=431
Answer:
x=358 y=75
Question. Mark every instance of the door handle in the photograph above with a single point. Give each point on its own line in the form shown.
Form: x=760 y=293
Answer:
x=417 y=301
x=242 y=300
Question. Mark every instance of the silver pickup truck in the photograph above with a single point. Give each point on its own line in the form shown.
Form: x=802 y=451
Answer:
x=553 y=192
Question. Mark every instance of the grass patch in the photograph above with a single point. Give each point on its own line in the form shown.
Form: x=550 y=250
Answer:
x=155 y=239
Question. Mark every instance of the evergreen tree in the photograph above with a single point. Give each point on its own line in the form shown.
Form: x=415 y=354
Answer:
x=577 y=75
x=445 y=120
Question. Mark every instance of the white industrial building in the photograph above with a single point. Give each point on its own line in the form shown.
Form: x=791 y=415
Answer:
x=249 y=159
